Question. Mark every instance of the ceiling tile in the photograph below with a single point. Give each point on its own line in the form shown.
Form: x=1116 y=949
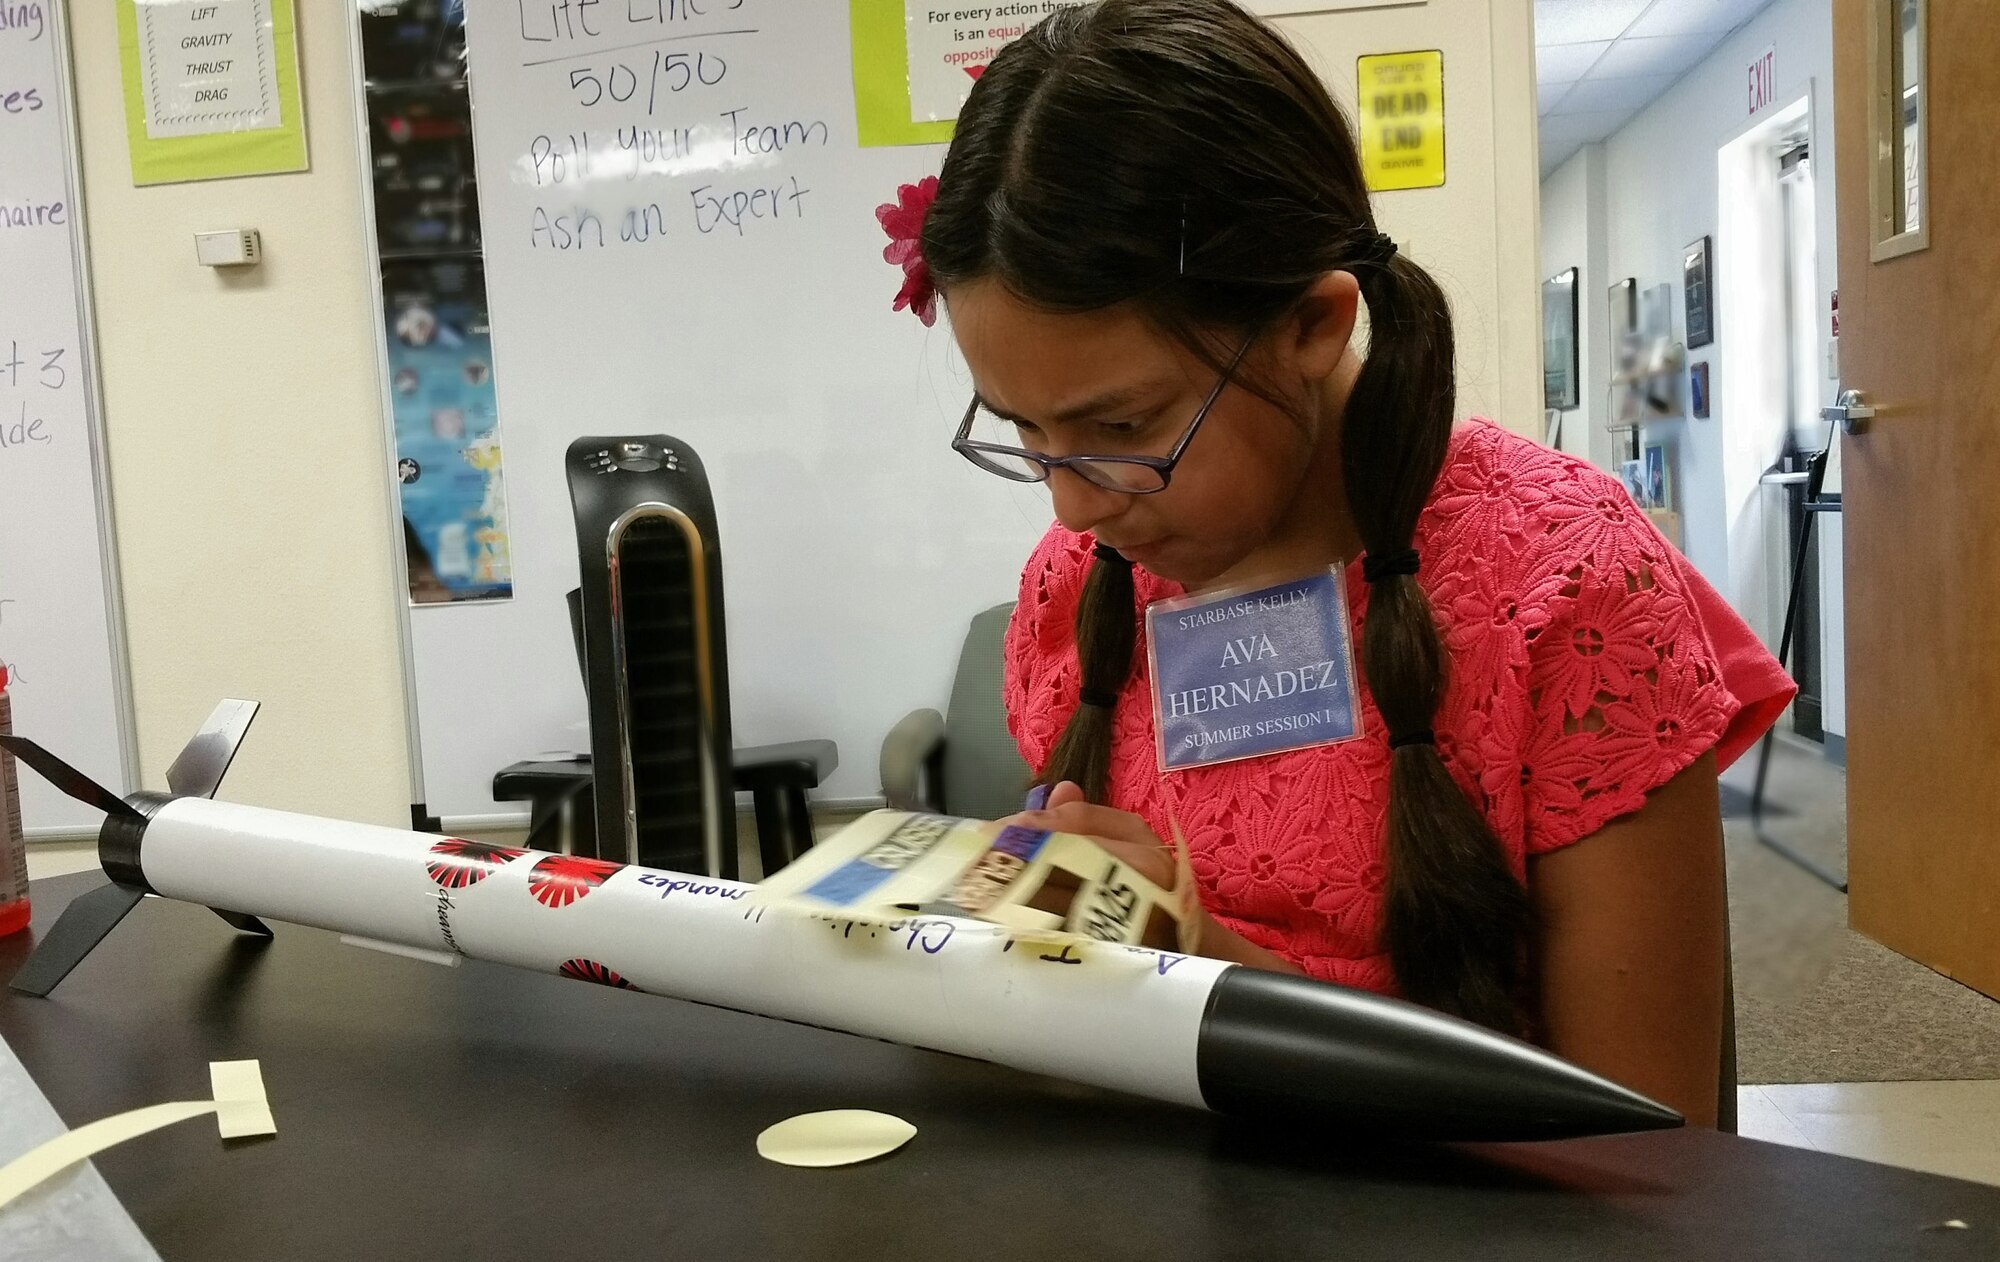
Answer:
x=1593 y=96
x=1584 y=21
x=1696 y=17
x=1549 y=95
x=1665 y=55
x=1564 y=134
x=1561 y=63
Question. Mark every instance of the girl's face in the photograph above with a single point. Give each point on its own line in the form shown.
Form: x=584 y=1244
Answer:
x=1112 y=383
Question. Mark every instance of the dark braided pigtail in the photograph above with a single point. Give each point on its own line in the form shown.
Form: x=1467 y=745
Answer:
x=1106 y=634
x=1456 y=922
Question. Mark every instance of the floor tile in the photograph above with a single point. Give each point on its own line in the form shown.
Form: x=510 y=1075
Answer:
x=1900 y=1136
x=1758 y=1118
x=1885 y=1097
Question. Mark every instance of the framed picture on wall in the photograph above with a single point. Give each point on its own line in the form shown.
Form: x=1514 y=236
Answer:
x=1656 y=313
x=1660 y=356
x=1622 y=312
x=1698 y=391
x=1633 y=474
x=1622 y=336
x=1658 y=492
x=1698 y=276
x=1560 y=390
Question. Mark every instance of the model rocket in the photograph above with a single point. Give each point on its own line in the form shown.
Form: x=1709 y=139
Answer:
x=1177 y=1028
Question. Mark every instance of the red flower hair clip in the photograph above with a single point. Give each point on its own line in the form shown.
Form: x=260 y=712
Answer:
x=903 y=220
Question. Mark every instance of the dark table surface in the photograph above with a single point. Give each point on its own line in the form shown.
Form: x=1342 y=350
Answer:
x=483 y=1112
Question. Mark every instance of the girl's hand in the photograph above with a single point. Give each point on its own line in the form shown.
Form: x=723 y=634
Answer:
x=1125 y=836
x=1132 y=841
x=1129 y=838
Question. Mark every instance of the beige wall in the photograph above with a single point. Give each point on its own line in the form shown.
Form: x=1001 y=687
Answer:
x=1480 y=234
x=246 y=449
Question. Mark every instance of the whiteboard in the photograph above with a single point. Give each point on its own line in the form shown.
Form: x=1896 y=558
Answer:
x=59 y=625
x=856 y=545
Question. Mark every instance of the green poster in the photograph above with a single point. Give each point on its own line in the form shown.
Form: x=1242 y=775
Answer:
x=211 y=88
x=882 y=78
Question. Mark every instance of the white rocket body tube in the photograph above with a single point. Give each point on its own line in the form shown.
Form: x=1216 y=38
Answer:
x=1127 y=1018
x=1192 y=1031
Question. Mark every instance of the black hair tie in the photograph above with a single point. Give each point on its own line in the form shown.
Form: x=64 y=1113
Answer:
x=1425 y=737
x=1377 y=249
x=1105 y=552
x=1390 y=565
x=1102 y=698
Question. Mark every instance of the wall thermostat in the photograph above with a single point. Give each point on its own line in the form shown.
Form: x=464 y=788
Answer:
x=237 y=247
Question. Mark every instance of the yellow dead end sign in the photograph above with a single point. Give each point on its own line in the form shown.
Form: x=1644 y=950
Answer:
x=1402 y=120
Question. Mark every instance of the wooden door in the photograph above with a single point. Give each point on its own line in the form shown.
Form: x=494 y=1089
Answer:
x=1920 y=336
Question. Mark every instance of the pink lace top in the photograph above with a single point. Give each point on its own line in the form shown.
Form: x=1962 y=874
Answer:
x=1590 y=665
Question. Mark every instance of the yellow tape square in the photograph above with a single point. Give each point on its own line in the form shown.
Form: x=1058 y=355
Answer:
x=241 y=1107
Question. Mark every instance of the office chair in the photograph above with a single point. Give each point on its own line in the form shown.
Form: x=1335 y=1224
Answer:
x=962 y=762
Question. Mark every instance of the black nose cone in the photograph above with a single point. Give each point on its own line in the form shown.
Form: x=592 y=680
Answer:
x=1280 y=1047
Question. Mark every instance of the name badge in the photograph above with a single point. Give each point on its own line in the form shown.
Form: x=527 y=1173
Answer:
x=1246 y=674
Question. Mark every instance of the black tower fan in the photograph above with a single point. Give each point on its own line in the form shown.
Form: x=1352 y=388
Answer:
x=655 y=661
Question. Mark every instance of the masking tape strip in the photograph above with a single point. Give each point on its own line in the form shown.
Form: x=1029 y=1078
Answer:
x=64 y=1151
x=244 y=1112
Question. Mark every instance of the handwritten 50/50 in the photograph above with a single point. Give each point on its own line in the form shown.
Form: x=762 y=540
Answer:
x=619 y=82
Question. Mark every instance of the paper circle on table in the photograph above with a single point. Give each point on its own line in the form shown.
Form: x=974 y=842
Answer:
x=837 y=1137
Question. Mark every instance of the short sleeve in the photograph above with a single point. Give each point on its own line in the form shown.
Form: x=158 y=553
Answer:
x=1038 y=686
x=1640 y=669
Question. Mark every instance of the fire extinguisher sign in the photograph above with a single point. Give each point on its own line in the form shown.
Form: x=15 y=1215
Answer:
x=1401 y=100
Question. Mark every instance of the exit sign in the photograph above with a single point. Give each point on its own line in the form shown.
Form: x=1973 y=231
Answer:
x=1763 y=81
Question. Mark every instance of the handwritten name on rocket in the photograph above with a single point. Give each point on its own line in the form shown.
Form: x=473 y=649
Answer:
x=1264 y=672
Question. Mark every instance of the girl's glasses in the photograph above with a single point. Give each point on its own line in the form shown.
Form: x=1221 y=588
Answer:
x=1127 y=475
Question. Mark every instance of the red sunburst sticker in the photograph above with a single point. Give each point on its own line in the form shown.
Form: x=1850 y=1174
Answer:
x=592 y=971
x=561 y=879
x=462 y=863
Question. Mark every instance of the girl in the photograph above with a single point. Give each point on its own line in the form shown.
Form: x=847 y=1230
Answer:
x=1154 y=240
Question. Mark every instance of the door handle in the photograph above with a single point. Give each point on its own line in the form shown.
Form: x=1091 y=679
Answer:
x=1852 y=412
